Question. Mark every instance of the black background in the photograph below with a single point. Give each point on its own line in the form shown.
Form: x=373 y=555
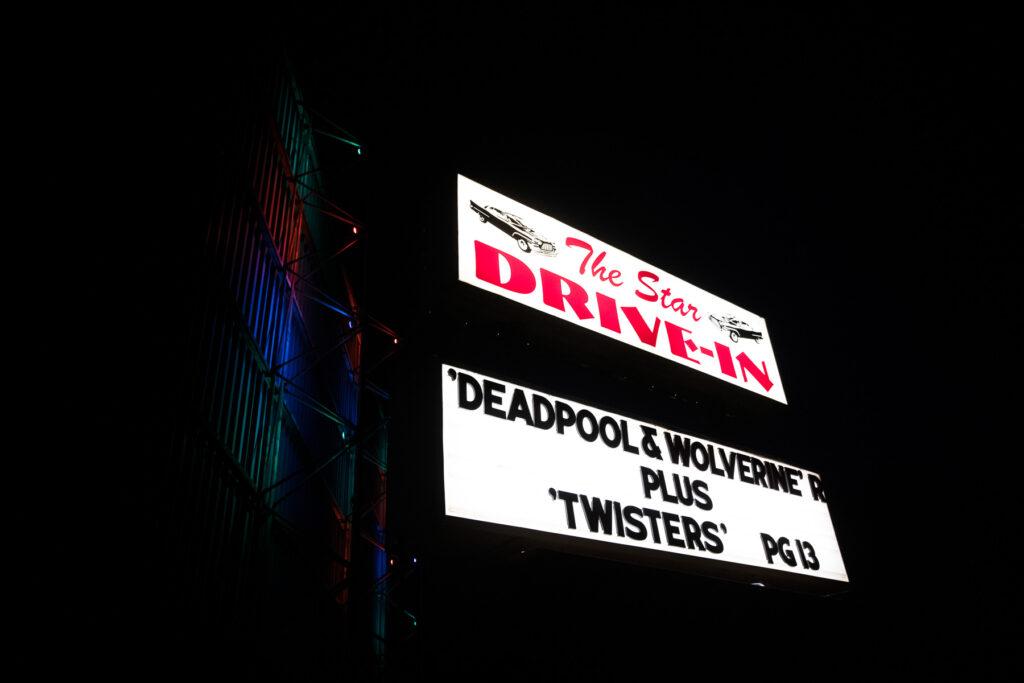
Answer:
x=843 y=174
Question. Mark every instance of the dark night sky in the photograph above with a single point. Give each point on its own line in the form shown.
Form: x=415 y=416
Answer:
x=842 y=174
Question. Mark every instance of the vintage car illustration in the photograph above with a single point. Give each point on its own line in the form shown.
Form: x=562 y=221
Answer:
x=737 y=329
x=525 y=236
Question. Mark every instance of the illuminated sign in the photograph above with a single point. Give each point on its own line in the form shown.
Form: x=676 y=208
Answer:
x=527 y=459
x=511 y=250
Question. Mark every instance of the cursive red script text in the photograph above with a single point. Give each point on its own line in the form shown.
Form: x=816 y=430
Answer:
x=651 y=294
x=596 y=269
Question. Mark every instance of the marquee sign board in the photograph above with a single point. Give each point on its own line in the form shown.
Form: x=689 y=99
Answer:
x=513 y=251
x=523 y=458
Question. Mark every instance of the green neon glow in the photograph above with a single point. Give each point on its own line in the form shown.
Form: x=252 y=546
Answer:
x=359 y=148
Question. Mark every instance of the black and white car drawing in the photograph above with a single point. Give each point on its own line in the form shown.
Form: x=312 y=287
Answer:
x=737 y=329
x=525 y=236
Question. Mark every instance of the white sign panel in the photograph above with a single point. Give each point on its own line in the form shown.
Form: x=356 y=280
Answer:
x=527 y=459
x=518 y=253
